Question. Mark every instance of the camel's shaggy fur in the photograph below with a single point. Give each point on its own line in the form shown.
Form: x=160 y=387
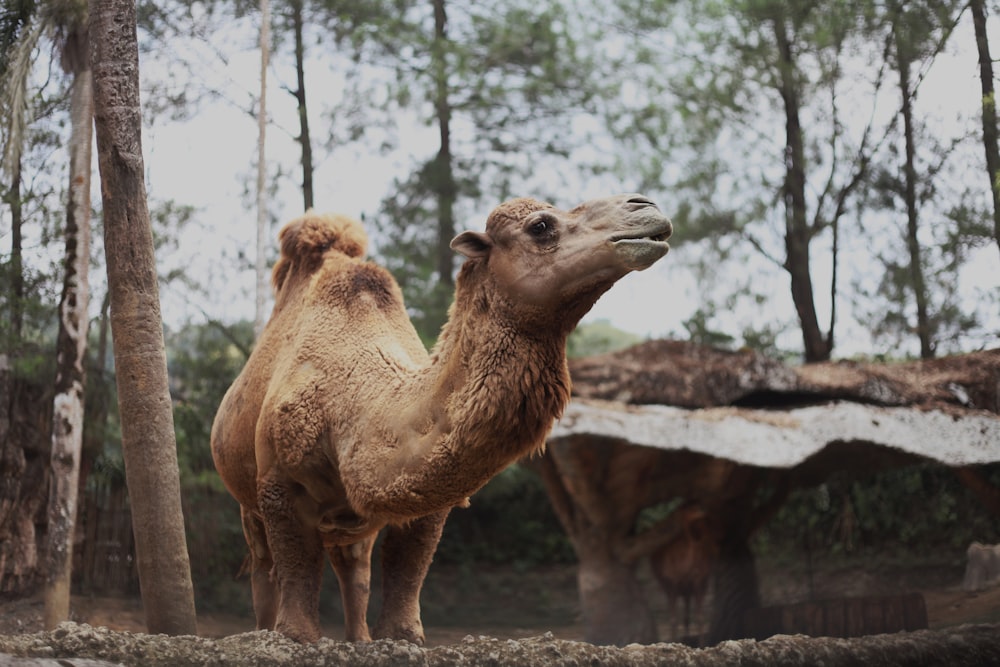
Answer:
x=341 y=424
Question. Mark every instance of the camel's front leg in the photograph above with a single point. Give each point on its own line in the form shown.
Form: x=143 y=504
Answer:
x=406 y=554
x=298 y=559
x=353 y=565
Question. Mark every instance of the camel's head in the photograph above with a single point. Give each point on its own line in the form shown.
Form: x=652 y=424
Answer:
x=547 y=257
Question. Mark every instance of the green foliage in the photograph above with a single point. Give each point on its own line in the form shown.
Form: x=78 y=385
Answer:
x=598 y=337
x=700 y=331
x=203 y=361
x=917 y=510
x=407 y=244
x=502 y=84
x=510 y=522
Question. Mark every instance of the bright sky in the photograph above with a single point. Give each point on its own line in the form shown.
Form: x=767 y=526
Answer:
x=208 y=161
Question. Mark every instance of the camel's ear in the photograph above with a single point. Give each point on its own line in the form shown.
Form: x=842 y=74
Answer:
x=472 y=244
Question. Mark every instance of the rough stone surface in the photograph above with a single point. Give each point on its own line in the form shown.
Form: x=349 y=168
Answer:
x=787 y=438
x=85 y=646
x=754 y=410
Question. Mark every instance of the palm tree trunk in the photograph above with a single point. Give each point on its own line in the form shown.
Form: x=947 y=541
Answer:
x=71 y=345
x=148 y=444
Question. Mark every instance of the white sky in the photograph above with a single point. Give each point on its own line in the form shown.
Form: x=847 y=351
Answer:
x=208 y=161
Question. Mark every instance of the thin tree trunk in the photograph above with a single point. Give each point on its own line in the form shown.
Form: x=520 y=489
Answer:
x=300 y=98
x=262 y=240
x=16 y=254
x=798 y=233
x=989 y=110
x=148 y=444
x=71 y=344
x=910 y=196
x=443 y=176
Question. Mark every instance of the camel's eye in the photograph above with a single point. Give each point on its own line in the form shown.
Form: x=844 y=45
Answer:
x=542 y=227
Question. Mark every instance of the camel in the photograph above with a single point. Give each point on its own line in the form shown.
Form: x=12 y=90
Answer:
x=684 y=565
x=341 y=424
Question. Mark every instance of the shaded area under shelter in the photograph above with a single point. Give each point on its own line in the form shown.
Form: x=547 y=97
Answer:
x=731 y=434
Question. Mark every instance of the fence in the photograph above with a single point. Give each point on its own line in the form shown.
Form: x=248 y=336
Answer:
x=105 y=551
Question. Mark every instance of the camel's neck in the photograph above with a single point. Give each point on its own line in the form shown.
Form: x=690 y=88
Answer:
x=490 y=396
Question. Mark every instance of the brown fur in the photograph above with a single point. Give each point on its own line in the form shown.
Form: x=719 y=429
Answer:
x=684 y=565
x=341 y=424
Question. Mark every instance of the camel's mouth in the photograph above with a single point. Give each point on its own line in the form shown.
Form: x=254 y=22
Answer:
x=639 y=248
x=657 y=232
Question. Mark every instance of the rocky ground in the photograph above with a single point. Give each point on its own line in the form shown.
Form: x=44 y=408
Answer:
x=965 y=629
x=73 y=645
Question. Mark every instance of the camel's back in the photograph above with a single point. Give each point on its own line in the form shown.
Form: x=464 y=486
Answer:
x=338 y=322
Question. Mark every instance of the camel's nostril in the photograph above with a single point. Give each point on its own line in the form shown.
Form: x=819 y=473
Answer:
x=640 y=201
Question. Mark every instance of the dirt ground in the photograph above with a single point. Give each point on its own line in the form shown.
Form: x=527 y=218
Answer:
x=507 y=604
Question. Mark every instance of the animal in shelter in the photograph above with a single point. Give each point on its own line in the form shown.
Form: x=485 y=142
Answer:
x=684 y=565
x=341 y=424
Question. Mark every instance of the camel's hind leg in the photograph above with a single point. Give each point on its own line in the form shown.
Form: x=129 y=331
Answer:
x=353 y=565
x=406 y=555
x=298 y=559
x=265 y=593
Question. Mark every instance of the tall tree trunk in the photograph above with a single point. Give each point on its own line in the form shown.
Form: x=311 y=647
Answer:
x=300 y=99
x=798 y=233
x=262 y=240
x=71 y=344
x=16 y=253
x=989 y=109
x=148 y=444
x=910 y=196
x=442 y=173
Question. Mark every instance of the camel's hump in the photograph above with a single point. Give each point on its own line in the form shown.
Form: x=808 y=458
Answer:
x=323 y=231
x=306 y=239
